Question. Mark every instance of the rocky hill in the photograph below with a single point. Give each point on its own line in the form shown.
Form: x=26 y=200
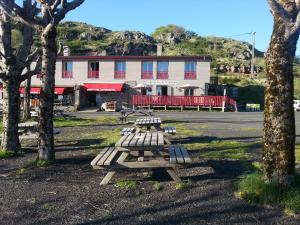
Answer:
x=90 y=40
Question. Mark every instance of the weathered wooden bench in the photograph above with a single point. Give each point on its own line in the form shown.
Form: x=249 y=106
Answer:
x=104 y=158
x=127 y=130
x=179 y=155
x=170 y=130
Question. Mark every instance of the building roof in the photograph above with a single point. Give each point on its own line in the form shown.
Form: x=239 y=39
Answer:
x=204 y=58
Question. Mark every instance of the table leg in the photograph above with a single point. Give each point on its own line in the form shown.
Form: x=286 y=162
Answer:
x=141 y=156
x=107 y=178
x=167 y=141
x=174 y=176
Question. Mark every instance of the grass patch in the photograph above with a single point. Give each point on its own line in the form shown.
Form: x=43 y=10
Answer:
x=183 y=130
x=126 y=184
x=49 y=206
x=72 y=121
x=253 y=189
x=297 y=153
x=110 y=137
x=297 y=88
x=31 y=165
x=10 y=154
x=184 y=185
x=217 y=149
x=157 y=186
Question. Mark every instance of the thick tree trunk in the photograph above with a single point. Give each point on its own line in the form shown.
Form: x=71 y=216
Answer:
x=11 y=116
x=279 y=118
x=26 y=105
x=46 y=139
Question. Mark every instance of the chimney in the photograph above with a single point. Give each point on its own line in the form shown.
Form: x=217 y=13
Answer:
x=159 y=49
x=67 y=51
x=103 y=53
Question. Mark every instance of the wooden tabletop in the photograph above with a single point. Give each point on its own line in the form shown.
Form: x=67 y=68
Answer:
x=148 y=121
x=141 y=140
x=28 y=124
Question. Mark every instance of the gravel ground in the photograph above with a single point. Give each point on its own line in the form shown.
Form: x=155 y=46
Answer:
x=68 y=192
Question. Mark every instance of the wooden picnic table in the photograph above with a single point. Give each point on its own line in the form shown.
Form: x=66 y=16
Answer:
x=146 y=148
x=28 y=126
x=127 y=112
x=148 y=122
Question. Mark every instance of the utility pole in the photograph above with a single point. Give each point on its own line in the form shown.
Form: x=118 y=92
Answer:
x=253 y=55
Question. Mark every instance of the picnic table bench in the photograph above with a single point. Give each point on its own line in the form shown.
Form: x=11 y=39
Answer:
x=147 y=151
x=127 y=112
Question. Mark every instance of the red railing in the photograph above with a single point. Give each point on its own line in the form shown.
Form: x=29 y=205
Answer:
x=204 y=101
x=147 y=75
x=162 y=75
x=190 y=76
x=119 y=74
x=93 y=74
x=67 y=74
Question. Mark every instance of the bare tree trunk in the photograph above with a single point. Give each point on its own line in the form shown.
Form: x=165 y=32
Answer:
x=11 y=116
x=26 y=105
x=46 y=139
x=279 y=119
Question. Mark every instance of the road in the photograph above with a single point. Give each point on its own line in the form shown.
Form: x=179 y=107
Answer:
x=245 y=126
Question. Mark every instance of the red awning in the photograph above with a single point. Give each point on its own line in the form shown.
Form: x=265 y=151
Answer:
x=33 y=90
x=59 y=91
x=103 y=87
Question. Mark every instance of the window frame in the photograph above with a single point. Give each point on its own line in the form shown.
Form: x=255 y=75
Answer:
x=120 y=74
x=148 y=73
x=162 y=74
x=190 y=70
x=93 y=74
x=66 y=74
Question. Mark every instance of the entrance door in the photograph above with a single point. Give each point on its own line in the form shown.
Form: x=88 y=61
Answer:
x=91 y=97
x=162 y=90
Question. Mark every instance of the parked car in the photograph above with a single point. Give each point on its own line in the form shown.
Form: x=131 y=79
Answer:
x=297 y=105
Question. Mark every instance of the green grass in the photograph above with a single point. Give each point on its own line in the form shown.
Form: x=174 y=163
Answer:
x=297 y=153
x=217 y=149
x=183 y=185
x=126 y=184
x=253 y=189
x=10 y=154
x=49 y=206
x=71 y=121
x=157 y=186
x=297 y=88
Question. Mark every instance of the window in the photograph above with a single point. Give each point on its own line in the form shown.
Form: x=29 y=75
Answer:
x=147 y=70
x=67 y=70
x=190 y=70
x=93 y=70
x=120 y=69
x=162 y=70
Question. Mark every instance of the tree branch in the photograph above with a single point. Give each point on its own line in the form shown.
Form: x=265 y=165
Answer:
x=296 y=26
x=66 y=7
x=31 y=57
x=55 y=4
x=29 y=73
x=16 y=13
x=276 y=8
x=297 y=4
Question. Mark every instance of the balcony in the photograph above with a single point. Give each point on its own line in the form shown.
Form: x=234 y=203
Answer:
x=147 y=75
x=190 y=76
x=67 y=74
x=93 y=74
x=120 y=74
x=162 y=75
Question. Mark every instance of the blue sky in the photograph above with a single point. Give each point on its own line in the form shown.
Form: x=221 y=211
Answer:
x=225 y=18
